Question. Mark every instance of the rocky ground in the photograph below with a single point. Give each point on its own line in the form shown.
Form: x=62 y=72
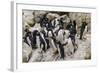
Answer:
x=83 y=52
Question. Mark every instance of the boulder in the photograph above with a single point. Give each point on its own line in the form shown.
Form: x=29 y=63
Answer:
x=26 y=52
